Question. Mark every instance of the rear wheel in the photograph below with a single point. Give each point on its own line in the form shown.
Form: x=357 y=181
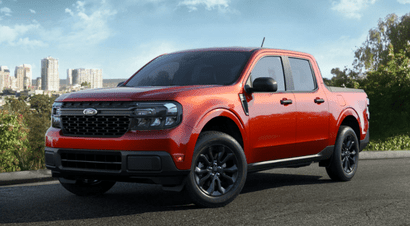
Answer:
x=345 y=158
x=88 y=187
x=218 y=171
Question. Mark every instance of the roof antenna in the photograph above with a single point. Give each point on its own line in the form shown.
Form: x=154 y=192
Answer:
x=263 y=41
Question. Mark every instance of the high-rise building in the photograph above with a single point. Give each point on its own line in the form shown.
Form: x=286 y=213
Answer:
x=23 y=76
x=92 y=76
x=5 y=81
x=69 y=77
x=38 y=82
x=50 y=79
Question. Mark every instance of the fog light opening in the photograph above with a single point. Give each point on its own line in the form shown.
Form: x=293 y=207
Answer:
x=179 y=157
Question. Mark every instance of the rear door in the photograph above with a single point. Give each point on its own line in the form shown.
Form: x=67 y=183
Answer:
x=272 y=115
x=312 y=123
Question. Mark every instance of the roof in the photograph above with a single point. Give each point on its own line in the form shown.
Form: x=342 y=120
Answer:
x=237 y=49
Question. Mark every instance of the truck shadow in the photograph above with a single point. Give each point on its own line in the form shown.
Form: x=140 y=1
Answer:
x=46 y=203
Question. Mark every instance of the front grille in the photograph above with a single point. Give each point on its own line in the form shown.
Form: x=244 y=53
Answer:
x=99 y=104
x=94 y=161
x=97 y=126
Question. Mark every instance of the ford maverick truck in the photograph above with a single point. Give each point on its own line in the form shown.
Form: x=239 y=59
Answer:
x=200 y=120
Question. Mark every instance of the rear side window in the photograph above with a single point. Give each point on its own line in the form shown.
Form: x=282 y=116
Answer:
x=302 y=75
x=270 y=67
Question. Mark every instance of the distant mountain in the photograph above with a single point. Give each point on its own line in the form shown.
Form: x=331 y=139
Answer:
x=106 y=82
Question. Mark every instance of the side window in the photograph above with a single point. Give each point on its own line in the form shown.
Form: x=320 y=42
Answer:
x=270 y=67
x=302 y=75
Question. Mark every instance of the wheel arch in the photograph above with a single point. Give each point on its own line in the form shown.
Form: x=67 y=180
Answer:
x=349 y=117
x=225 y=121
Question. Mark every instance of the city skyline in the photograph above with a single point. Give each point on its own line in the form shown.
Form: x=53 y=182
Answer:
x=119 y=37
x=49 y=80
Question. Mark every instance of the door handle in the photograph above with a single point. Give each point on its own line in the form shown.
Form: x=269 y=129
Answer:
x=285 y=101
x=319 y=100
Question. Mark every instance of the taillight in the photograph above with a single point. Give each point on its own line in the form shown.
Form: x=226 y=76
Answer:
x=367 y=108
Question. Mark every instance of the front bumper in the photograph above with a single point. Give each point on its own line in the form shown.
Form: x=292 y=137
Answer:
x=130 y=166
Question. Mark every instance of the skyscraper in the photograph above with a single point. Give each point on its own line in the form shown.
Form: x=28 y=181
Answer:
x=38 y=82
x=5 y=81
x=92 y=76
x=23 y=75
x=69 y=77
x=50 y=79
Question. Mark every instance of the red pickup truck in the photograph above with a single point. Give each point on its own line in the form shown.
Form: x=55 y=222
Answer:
x=201 y=120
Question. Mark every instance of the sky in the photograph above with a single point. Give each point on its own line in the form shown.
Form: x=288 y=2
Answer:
x=120 y=36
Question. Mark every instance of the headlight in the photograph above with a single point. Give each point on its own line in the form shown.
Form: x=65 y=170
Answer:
x=161 y=115
x=56 y=115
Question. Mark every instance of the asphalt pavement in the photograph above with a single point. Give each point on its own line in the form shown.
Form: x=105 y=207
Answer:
x=379 y=194
x=33 y=176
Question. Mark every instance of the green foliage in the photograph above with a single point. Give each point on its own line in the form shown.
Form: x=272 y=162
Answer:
x=14 y=147
x=388 y=89
x=346 y=78
x=86 y=84
x=42 y=104
x=37 y=121
x=400 y=142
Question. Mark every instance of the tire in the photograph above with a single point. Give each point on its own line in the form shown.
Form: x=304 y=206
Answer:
x=88 y=187
x=345 y=159
x=218 y=170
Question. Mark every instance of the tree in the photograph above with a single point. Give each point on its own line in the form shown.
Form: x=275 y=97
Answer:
x=346 y=78
x=86 y=84
x=36 y=121
x=388 y=88
x=14 y=148
x=374 y=50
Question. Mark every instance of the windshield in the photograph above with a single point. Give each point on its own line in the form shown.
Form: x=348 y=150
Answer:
x=192 y=68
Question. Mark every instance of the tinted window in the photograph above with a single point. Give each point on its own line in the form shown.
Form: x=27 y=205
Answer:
x=270 y=67
x=192 y=68
x=302 y=75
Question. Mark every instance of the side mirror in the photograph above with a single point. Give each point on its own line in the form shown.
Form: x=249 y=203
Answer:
x=265 y=84
x=120 y=84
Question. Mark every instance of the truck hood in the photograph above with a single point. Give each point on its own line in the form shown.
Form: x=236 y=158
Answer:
x=129 y=93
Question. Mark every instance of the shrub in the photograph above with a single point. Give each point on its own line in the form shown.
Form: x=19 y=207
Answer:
x=14 y=147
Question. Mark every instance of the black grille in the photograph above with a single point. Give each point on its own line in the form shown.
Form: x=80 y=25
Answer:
x=100 y=161
x=99 y=104
x=97 y=126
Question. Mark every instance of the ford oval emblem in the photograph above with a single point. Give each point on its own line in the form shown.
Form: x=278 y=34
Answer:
x=90 y=111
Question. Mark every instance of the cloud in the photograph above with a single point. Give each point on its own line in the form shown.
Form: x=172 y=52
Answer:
x=88 y=24
x=26 y=42
x=352 y=8
x=32 y=11
x=6 y=11
x=220 y=5
x=404 y=1
x=67 y=10
x=337 y=53
x=11 y=34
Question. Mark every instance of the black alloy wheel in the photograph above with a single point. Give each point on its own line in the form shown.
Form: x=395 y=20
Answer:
x=349 y=155
x=345 y=158
x=218 y=171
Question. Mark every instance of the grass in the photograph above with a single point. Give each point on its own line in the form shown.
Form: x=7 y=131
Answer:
x=399 y=142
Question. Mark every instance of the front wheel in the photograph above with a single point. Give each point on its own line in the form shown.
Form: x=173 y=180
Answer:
x=345 y=158
x=87 y=187
x=218 y=171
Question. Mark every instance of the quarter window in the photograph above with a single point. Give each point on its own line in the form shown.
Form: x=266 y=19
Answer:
x=270 y=67
x=302 y=75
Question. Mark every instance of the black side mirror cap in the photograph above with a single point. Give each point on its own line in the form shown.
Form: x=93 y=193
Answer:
x=265 y=84
x=120 y=84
